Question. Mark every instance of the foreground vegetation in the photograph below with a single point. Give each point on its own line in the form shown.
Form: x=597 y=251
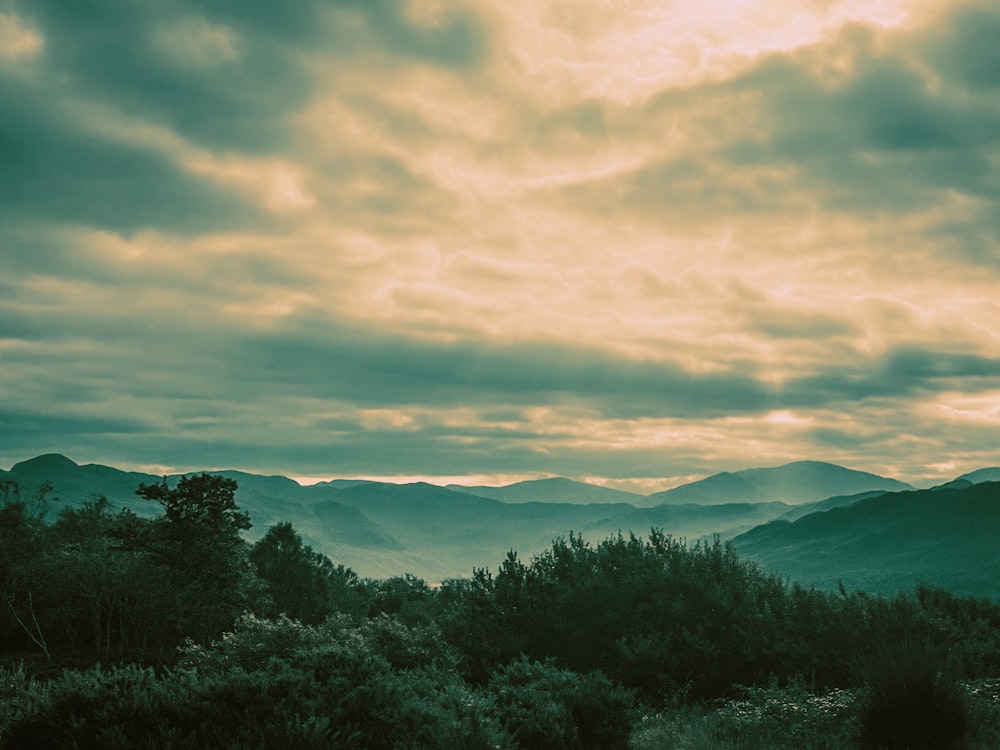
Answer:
x=795 y=718
x=172 y=631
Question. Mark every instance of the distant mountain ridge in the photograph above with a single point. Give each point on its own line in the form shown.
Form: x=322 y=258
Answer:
x=382 y=529
x=793 y=483
x=553 y=490
x=991 y=474
x=944 y=536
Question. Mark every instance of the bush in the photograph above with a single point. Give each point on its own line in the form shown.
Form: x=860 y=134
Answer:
x=911 y=698
x=790 y=716
x=269 y=683
x=769 y=718
x=544 y=707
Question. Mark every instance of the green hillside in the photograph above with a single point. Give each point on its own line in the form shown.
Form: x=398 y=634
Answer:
x=946 y=537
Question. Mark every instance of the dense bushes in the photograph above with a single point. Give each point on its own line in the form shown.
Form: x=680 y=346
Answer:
x=658 y=616
x=278 y=683
x=546 y=708
x=356 y=705
x=911 y=698
x=552 y=652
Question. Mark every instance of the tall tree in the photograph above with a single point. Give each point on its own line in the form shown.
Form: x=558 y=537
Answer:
x=22 y=551
x=301 y=583
x=198 y=540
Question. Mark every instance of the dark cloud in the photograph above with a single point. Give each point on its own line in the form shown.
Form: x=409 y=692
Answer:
x=796 y=324
x=119 y=50
x=26 y=430
x=226 y=76
x=369 y=367
x=55 y=172
x=216 y=393
x=455 y=39
x=965 y=48
x=898 y=128
x=110 y=51
x=173 y=356
x=183 y=346
x=902 y=372
x=883 y=141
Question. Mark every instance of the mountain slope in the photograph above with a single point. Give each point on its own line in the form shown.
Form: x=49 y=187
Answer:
x=945 y=537
x=73 y=483
x=448 y=533
x=554 y=490
x=691 y=521
x=382 y=529
x=837 y=501
x=315 y=513
x=794 y=483
x=991 y=474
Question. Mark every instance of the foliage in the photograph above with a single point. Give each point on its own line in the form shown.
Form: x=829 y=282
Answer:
x=658 y=616
x=793 y=718
x=197 y=544
x=198 y=509
x=281 y=647
x=22 y=552
x=911 y=698
x=407 y=597
x=544 y=707
x=770 y=718
x=790 y=717
x=301 y=583
x=266 y=684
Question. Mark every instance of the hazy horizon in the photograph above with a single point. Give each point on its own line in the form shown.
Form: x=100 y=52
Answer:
x=471 y=481
x=634 y=244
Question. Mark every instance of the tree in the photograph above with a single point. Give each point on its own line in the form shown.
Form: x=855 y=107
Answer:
x=22 y=546
x=199 y=509
x=198 y=540
x=301 y=583
x=110 y=598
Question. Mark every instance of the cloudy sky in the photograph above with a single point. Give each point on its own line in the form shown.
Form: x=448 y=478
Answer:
x=630 y=241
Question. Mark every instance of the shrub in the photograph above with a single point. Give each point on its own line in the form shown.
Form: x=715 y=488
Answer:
x=790 y=716
x=269 y=683
x=544 y=707
x=911 y=698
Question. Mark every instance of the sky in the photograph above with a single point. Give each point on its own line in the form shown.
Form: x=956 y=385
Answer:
x=633 y=242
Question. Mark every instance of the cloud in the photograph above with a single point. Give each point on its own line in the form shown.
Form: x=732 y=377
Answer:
x=864 y=122
x=964 y=50
x=195 y=43
x=18 y=41
x=56 y=173
x=407 y=237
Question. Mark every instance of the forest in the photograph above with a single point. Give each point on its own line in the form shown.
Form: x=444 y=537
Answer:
x=121 y=631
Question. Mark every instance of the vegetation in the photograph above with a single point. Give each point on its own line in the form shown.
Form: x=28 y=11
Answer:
x=122 y=631
x=911 y=698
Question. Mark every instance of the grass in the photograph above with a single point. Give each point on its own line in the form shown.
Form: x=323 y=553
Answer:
x=793 y=718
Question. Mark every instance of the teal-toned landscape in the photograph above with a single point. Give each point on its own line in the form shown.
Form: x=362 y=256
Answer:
x=162 y=614
x=498 y=374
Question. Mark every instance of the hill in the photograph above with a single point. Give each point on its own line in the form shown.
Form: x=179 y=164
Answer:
x=554 y=490
x=838 y=501
x=887 y=543
x=991 y=474
x=323 y=523
x=434 y=532
x=73 y=483
x=794 y=483
x=381 y=529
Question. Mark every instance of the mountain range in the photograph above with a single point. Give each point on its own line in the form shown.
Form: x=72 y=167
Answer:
x=886 y=542
x=794 y=483
x=435 y=532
